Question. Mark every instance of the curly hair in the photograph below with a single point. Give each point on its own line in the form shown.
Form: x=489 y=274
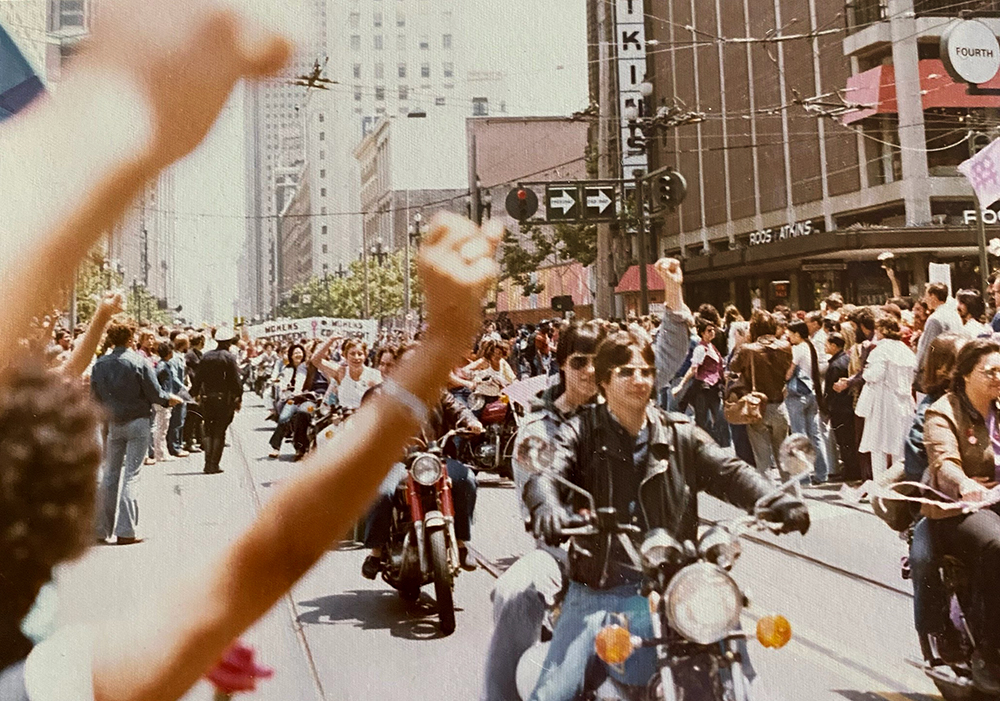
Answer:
x=49 y=454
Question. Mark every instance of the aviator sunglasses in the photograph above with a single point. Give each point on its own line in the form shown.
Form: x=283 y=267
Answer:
x=627 y=371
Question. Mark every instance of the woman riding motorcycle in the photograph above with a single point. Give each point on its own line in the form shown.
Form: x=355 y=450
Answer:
x=963 y=443
x=611 y=450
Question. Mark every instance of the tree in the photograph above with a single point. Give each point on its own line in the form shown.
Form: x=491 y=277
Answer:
x=344 y=297
x=562 y=243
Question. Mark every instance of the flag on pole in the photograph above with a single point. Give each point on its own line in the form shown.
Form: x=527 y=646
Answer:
x=983 y=172
x=18 y=83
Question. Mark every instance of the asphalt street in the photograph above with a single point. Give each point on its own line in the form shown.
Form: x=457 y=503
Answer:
x=340 y=636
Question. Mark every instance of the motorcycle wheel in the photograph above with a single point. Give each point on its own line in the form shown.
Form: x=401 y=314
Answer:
x=442 y=581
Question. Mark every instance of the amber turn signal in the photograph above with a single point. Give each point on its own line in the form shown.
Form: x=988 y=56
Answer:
x=613 y=644
x=774 y=631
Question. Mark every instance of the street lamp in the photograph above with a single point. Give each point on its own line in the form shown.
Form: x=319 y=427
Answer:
x=415 y=231
x=379 y=254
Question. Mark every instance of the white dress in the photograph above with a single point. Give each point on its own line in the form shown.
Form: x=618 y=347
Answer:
x=886 y=401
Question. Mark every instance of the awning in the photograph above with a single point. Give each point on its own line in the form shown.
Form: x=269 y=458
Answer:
x=874 y=91
x=630 y=280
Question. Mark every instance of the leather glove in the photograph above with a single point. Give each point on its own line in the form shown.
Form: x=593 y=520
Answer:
x=547 y=523
x=788 y=511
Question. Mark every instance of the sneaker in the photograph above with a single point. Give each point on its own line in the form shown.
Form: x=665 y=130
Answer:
x=371 y=567
x=273 y=454
x=193 y=449
x=181 y=454
x=149 y=461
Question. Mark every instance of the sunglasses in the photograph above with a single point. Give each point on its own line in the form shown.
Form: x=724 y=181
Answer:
x=580 y=361
x=626 y=371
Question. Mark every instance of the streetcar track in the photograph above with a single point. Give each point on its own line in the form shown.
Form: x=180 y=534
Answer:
x=293 y=609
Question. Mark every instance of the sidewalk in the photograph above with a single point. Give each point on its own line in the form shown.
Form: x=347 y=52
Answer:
x=187 y=518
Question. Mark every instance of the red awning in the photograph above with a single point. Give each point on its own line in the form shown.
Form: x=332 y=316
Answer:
x=630 y=280
x=875 y=91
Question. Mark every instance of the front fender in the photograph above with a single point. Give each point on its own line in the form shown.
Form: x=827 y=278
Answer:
x=434 y=520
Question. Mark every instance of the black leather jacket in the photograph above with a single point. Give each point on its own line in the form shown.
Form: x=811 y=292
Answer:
x=595 y=452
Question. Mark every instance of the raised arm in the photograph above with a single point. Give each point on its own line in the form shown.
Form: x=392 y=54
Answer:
x=79 y=359
x=319 y=360
x=674 y=337
x=142 y=95
x=159 y=655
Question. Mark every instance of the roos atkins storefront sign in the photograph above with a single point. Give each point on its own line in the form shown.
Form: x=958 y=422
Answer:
x=788 y=231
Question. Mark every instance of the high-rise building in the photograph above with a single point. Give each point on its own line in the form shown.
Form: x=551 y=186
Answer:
x=818 y=152
x=142 y=245
x=389 y=59
x=284 y=127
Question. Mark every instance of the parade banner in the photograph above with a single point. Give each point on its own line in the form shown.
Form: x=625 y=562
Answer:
x=316 y=327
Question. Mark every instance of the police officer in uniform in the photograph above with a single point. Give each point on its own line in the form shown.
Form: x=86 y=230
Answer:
x=219 y=391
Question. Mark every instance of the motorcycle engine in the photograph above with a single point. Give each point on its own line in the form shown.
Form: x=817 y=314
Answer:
x=486 y=452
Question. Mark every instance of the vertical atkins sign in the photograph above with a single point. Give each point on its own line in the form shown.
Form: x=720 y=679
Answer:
x=630 y=31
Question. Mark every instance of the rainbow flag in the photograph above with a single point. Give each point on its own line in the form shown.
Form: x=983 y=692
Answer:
x=18 y=83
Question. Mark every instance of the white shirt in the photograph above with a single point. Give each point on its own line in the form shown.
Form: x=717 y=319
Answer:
x=350 y=391
x=61 y=667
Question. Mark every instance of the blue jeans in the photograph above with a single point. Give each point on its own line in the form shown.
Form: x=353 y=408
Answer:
x=175 y=429
x=708 y=415
x=124 y=451
x=803 y=417
x=584 y=612
x=521 y=597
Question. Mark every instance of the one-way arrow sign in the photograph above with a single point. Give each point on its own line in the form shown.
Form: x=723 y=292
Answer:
x=599 y=201
x=561 y=201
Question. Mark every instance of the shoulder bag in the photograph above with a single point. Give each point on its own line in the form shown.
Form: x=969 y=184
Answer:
x=748 y=408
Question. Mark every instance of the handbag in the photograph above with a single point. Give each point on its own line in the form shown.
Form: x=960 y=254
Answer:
x=748 y=408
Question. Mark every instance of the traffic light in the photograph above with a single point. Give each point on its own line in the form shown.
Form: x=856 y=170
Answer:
x=671 y=189
x=521 y=203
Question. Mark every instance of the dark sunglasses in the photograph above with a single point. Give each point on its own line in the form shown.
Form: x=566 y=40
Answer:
x=580 y=361
x=645 y=371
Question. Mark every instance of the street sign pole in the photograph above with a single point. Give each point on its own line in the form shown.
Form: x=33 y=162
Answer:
x=984 y=262
x=640 y=237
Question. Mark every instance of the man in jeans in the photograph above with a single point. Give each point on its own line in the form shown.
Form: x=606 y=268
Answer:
x=763 y=365
x=124 y=384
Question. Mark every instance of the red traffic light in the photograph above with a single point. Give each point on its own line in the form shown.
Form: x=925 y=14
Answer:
x=522 y=194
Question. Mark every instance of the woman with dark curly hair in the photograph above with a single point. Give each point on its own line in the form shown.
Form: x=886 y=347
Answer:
x=49 y=453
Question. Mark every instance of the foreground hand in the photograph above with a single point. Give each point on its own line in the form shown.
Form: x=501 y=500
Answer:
x=185 y=56
x=840 y=385
x=456 y=270
x=476 y=428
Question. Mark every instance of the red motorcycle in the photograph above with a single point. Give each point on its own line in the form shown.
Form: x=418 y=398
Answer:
x=422 y=546
x=493 y=449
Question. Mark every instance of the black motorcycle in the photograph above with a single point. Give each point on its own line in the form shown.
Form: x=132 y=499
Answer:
x=950 y=668
x=679 y=637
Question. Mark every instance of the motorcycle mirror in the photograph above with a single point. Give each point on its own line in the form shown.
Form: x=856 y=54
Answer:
x=797 y=455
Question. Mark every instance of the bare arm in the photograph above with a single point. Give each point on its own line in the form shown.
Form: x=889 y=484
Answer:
x=142 y=95
x=159 y=656
x=78 y=361
x=332 y=371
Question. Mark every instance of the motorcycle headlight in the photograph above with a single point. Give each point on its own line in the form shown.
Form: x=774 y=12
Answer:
x=703 y=603
x=426 y=470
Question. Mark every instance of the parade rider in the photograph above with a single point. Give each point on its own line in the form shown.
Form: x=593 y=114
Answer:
x=523 y=593
x=610 y=449
x=447 y=414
